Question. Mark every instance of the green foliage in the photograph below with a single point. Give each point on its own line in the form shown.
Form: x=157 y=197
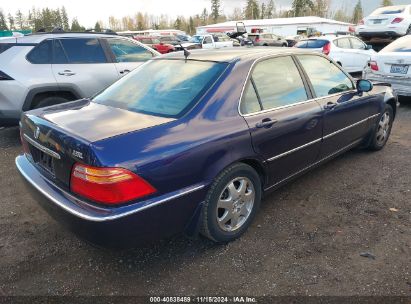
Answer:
x=270 y=11
x=252 y=10
x=3 y=24
x=386 y=3
x=302 y=7
x=97 y=27
x=358 y=13
x=215 y=10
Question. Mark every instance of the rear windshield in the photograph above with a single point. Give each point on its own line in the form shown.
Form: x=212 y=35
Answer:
x=311 y=44
x=389 y=10
x=402 y=45
x=166 y=88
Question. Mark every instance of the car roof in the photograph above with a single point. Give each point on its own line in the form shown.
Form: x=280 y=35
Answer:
x=234 y=54
x=36 y=38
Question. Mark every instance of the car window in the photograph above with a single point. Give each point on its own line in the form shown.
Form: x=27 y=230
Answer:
x=250 y=103
x=326 y=78
x=400 y=45
x=357 y=44
x=155 y=41
x=278 y=82
x=40 y=54
x=146 y=41
x=343 y=43
x=83 y=50
x=127 y=51
x=389 y=10
x=312 y=44
x=59 y=56
x=166 y=88
x=207 y=40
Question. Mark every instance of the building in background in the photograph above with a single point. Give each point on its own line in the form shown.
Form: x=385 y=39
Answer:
x=282 y=26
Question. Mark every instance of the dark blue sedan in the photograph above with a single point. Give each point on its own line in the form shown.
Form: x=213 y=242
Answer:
x=191 y=144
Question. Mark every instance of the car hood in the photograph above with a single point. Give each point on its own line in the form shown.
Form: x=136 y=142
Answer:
x=93 y=122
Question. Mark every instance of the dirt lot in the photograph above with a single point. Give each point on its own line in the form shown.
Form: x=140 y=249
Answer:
x=306 y=239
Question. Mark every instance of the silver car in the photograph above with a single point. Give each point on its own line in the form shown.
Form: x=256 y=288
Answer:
x=265 y=39
x=51 y=68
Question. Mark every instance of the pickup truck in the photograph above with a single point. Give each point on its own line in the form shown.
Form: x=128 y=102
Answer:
x=208 y=42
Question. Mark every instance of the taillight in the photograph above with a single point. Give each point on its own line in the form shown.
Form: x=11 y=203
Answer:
x=257 y=39
x=361 y=22
x=397 y=20
x=373 y=65
x=327 y=48
x=108 y=185
x=4 y=76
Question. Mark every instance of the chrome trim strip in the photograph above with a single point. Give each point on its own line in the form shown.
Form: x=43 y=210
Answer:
x=350 y=126
x=294 y=150
x=314 y=164
x=104 y=218
x=42 y=148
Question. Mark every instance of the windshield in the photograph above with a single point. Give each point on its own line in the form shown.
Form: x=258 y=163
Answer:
x=166 y=88
x=389 y=10
x=196 y=39
x=402 y=45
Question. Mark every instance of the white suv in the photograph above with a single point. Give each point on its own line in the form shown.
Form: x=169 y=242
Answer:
x=50 y=68
x=389 y=21
x=348 y=51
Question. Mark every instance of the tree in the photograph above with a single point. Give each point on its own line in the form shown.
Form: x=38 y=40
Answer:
x=386 y=3
x=358 y=13
x=215 y=10
x=237 y=14
x=252 y=10
x=270 y=11
x=342 y=15
x=11 y=22
x=204 y=17
x=263 y=11
x=321 y=8
x=20 y=20
x=75 y=26
x=191 y=27
x=64 y=19
x=97 y=27
x=3 y=24
x=301 y=7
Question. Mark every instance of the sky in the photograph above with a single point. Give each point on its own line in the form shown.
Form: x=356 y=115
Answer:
x=88 y=12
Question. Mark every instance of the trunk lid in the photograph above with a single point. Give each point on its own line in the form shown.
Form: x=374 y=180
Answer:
x=380 y=20
x=394 y=64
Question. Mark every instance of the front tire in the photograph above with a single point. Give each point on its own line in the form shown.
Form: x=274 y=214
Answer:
x=231 y=203
x=383 y=129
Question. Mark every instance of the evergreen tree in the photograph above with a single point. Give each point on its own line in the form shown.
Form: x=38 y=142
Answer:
x=204 y=17
x=386 y=3
x=97 y=27
x=191 y=27
x=301 y=7
x=270 y=11
x=263 y=11
x=75 y=26
x=358 y=13
x=215 y=10
x=321 y=8
x=64 y=19
x=3 y=24
x=252 y=10
x=11 y=22
x=20 y=20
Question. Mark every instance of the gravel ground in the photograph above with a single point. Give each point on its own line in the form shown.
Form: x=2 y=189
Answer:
x=306 y=239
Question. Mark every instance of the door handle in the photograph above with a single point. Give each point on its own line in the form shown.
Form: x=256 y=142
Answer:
x=124 y=71
x=330 y=105
x=66 y=73
x=265 y=123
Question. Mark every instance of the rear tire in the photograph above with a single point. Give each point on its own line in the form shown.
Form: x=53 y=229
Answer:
x=382 y=131
x=231 y=203
x=50 y=101
x=408 y=30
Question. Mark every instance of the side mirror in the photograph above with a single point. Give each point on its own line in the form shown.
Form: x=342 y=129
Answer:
x=368 y=47
x=364 y=85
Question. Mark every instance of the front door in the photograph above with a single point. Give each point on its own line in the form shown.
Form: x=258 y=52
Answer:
x=346 y=113
x=82 y=64
x=284 y=121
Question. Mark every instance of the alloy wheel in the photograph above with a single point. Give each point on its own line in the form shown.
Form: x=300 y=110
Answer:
x=383 y=128
x=235 y=204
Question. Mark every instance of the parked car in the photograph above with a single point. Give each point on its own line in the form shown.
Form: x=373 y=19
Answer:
x=173 y=40
x=190 y=144
x=66 y=66
x=292 y=40
x=261 y=39
x=208 y=42
x=348 y=51
x=389 y=21
x=156 y=44
x=392 y=65
x=184 y=38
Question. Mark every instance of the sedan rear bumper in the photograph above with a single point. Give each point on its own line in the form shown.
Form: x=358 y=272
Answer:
x=113 y=227
x=400 y=85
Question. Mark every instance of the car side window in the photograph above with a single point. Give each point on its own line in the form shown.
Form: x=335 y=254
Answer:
x=40 y=54
x=207 y=40
x=59 y=56
x=326 y=78
x=83 y=50
x=126 y=51
x=278 y=82
x=250 y=103
x=344 y=43
x=357 y=44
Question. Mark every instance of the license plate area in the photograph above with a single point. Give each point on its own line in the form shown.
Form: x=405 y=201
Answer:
x=44 y=160
x=399 y=69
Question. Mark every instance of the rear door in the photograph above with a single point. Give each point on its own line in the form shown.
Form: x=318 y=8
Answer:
x=82 y=64
x=347 y=114
x=284 y=121
x=344 y=54
x=361 y=54
x=127 y=54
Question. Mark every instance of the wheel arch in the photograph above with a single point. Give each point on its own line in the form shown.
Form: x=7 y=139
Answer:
x=36 y=94
x=393 y=103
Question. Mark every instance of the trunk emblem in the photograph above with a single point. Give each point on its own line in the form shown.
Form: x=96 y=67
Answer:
x=37 y=133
